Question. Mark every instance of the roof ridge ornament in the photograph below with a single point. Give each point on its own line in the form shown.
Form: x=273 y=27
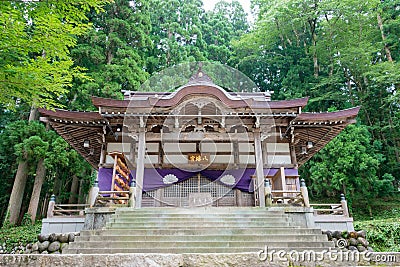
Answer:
x=200 y=77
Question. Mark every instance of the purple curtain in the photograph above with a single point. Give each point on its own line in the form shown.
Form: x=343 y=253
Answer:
x=104 y=177
x=156 y=178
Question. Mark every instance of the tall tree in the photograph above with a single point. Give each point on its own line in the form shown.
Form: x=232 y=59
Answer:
x=349 y=164
x=176 y=33
x=227 y=21
x=112 y=52
x=26 y=141
x=35 y=66
x=341 y=54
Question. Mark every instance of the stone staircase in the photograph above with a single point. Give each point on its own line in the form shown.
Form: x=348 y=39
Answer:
x=198 y=230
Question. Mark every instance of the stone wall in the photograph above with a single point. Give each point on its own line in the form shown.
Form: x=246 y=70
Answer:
x=62 y=224
x=353 y=241
x=46 y=244
x=187 y=260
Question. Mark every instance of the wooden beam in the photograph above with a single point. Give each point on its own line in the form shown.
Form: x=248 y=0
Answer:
x=199 y=136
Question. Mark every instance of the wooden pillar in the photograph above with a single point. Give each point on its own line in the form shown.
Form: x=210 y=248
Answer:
x=259 y=167
x=140 y=168
x=264 y=152
x=345 y=208
x=293 y=155
x=283 y=178
x=235 y=149
x=283 y=182
x=132 y=151
x=103 y=154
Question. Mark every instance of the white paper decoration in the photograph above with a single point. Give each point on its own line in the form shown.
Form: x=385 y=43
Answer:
x=228 y=179
x=170 y=179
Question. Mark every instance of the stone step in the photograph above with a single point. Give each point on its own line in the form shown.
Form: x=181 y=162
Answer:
x=199 y=230
x=204 y=238
x=196 y=211
x=200 y=216
x=186 y=250
x=195 y=223
x=210 y=226
x=203 y=231
x=140 y=244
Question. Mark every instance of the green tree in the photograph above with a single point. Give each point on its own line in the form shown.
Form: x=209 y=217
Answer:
x=176 y=33
x=21 y=143
x=227 y=21
x=338 y=53
x=35 y=65
x=36 y=69
x=349 y=164
x=112 y=52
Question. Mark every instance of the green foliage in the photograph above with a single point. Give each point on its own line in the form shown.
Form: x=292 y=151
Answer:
x=335 y=53
x=112 y=52
x=36 y=36
x=377 y=209
x=19 y=235
x=226 y=22
x=349 y=164
x=383 y=235
x=175 y=33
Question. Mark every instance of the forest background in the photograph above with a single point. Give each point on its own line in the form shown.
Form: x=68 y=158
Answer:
x=60 y=53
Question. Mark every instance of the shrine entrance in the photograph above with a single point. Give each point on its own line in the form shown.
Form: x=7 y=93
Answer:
x=197 y=191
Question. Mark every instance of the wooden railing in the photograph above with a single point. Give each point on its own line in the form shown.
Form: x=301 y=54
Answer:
x=287 y=197
x=69 y=209
x=331 y=209
x=113 y=197
x=340 y=209
x=62 y=210
x=291 y=197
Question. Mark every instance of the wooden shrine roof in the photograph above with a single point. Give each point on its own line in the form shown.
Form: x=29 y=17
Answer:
x=235 y=101
x=76 y=127
x=319 y=128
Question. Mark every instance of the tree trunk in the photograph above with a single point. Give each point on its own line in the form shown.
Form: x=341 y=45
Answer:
x=387 y=50
x=37 y=187
x=73 y=198
x=33 y=113
x=17 y=193
x=315 y=57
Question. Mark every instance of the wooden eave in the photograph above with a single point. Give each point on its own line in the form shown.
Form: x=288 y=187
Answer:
x=76 y=127
x=319 y=128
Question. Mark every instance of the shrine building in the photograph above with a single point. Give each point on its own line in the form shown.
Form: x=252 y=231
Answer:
x=200 y=145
